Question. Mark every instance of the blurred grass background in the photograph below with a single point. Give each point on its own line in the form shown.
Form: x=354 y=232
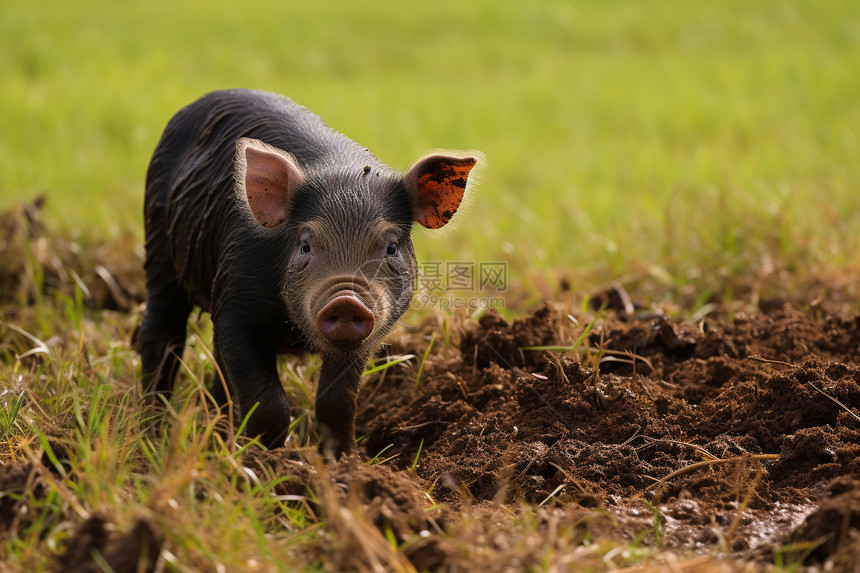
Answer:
x=688 y=144
x=685 y=138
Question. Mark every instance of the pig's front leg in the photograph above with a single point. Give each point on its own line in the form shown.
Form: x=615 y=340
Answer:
x=248 y=362
x=335 y=403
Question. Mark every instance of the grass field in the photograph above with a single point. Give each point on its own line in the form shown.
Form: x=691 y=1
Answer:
x=682 y=147
x=667 y=133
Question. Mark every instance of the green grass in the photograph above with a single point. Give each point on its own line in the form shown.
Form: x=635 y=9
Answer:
x=691 y=137
x=686 y=143
x=75 y=404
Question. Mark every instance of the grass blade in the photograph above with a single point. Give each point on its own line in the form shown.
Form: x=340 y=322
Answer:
x=388 y=364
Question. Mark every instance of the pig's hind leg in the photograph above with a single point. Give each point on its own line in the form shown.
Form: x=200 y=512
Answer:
x=163 y=331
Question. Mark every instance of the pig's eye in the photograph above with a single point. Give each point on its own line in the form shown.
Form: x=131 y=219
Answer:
x=391 y=250
x=305 y=249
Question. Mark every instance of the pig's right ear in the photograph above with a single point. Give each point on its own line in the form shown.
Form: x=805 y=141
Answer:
x=266 y=178
x=439 y=182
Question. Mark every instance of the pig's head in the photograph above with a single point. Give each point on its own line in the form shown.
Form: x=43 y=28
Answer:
x=349 y=265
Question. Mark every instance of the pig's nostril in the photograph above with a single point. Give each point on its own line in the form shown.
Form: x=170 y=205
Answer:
x=345 y=319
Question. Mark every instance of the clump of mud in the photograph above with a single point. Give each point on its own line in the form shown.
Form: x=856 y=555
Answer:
x=92 y=547
x=830 y=532
x=388 y=497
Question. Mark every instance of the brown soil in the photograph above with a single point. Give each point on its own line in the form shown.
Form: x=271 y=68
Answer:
x=735 y=437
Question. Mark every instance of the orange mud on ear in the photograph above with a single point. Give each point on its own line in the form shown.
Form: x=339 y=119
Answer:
x=440 y=191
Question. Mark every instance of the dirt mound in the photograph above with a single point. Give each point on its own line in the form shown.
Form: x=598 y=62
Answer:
x=23 y=483
x=389 y=498
x=756 y=415
x=91 y=548
x=16 y=480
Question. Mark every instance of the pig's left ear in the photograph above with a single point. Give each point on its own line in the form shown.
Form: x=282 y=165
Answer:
x=266 y=178
x=438 y=183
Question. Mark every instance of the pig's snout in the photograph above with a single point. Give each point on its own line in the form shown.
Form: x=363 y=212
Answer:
x=345 y=319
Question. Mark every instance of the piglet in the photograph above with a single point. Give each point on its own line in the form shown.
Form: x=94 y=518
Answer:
x=295 y=238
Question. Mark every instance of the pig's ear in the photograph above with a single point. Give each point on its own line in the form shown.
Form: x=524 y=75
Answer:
x=439 y=182
x=266 y=178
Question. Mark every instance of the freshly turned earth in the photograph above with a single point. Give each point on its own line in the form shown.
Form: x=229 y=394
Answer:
x=770 y=399
x=732 y=439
